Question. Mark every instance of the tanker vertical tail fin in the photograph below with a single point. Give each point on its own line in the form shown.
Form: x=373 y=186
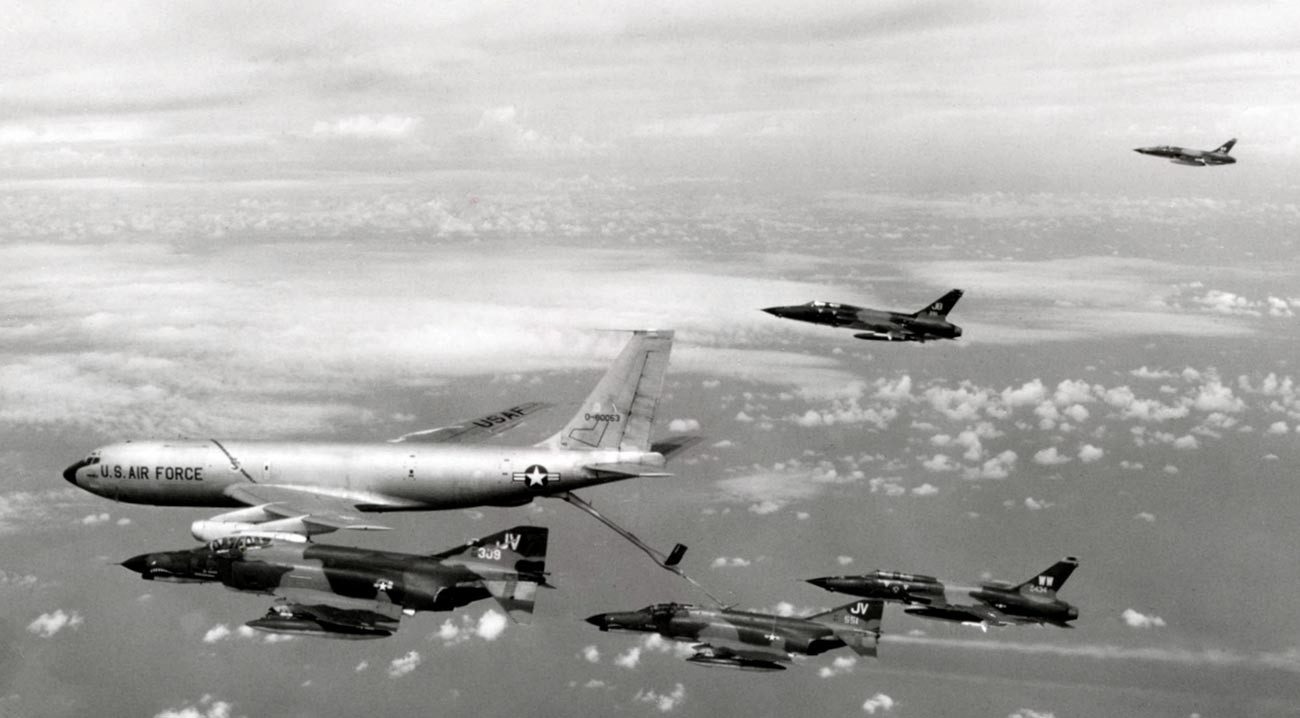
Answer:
x=620 y=411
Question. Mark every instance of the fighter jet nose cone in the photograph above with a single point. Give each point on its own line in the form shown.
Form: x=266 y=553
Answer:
x=599 y=621
x=774 y=311
x=137 y=564
x=818 y=582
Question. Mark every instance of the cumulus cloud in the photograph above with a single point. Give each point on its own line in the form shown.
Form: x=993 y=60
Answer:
x=844 y=560
x=724 y=562
x=878 y=703
x=838 y=667
x=403 y=665
x=93 y=519
x=491 y=625
x=629 y=659
x=1089 y=453
x=1030 y=713
x=998 y=467
x=1050 y=457
x=679 y=426
x=1136 y=619
x=664 y=702
x=591 y=654
x=48 y=624
x=206 y=707
x=218 y=632
x=925 y=490
x=1034 y=504
x=1146 y=516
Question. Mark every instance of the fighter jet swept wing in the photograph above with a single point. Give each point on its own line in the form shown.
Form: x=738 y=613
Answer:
x=477 y=430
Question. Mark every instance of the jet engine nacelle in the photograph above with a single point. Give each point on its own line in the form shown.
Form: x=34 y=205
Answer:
x=208 y=530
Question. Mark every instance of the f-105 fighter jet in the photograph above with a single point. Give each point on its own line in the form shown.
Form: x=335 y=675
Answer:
x=753 y=641
x=879 y=325
x=1194 y=158
x=991 y=603
x=341 y=592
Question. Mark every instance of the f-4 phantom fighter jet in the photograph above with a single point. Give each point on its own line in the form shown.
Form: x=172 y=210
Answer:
x=878 y=325
x=312 y=488
x=753 y=641
x=992 y=603
x=1195 y=158
x=341 y=592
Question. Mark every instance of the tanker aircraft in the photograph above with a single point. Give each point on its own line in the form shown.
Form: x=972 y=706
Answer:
x=753 y=641
x=312 y=488
x=1193 y=158
x=991 y=603
x=879 y=325
x=341 y=592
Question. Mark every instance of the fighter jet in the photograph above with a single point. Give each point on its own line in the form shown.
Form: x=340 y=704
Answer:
x=1194 y=158
x=882 y=326
x=753 y=641
x=312 y=488
x=341 y=592
x=992 y=603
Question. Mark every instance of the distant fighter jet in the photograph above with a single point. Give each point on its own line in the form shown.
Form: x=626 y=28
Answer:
x=341 y=592
x=753 y=641
x=992 y=603
x=926 y=325
x=312 y=488
x=1195 y=158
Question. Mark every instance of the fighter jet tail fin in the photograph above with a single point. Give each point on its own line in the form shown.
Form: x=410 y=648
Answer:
x=941 y=306
x=1226 y=147
x=511 y=564
x=521 y=549
x=857 y=624
x=619 y=412
x=1050 y=581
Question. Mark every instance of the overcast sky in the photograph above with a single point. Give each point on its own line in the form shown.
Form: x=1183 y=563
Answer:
x=349 y=222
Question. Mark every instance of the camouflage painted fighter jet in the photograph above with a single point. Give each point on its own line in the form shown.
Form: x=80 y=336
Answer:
x=1194 y=158
x=883 y=326
x=753 y=641
x=992 y=603
x=341 y=592
x=312 y=488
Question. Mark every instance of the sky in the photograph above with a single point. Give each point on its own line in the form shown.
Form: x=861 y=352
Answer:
x=347 y=222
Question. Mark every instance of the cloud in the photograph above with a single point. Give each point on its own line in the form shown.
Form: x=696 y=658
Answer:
x=362 y=666
x=1030 y=713
x=664 y=702
x=1146 y=516
x=1135 y=619
x=838 y=667
x=680 y=426
x=1050 y=457
x=724 y=562
x=629 y=659
x=844 y=560
x=879 y=702
x=591 y=654
x=206 y=707
x=491 y=625
x=1036 y=505
x=925 y=490
x=998 y=467
x=217 y=633
x=404 y=664
x=93 y=519
x=1089 y=453
x=48 y=624
x=367 y=127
